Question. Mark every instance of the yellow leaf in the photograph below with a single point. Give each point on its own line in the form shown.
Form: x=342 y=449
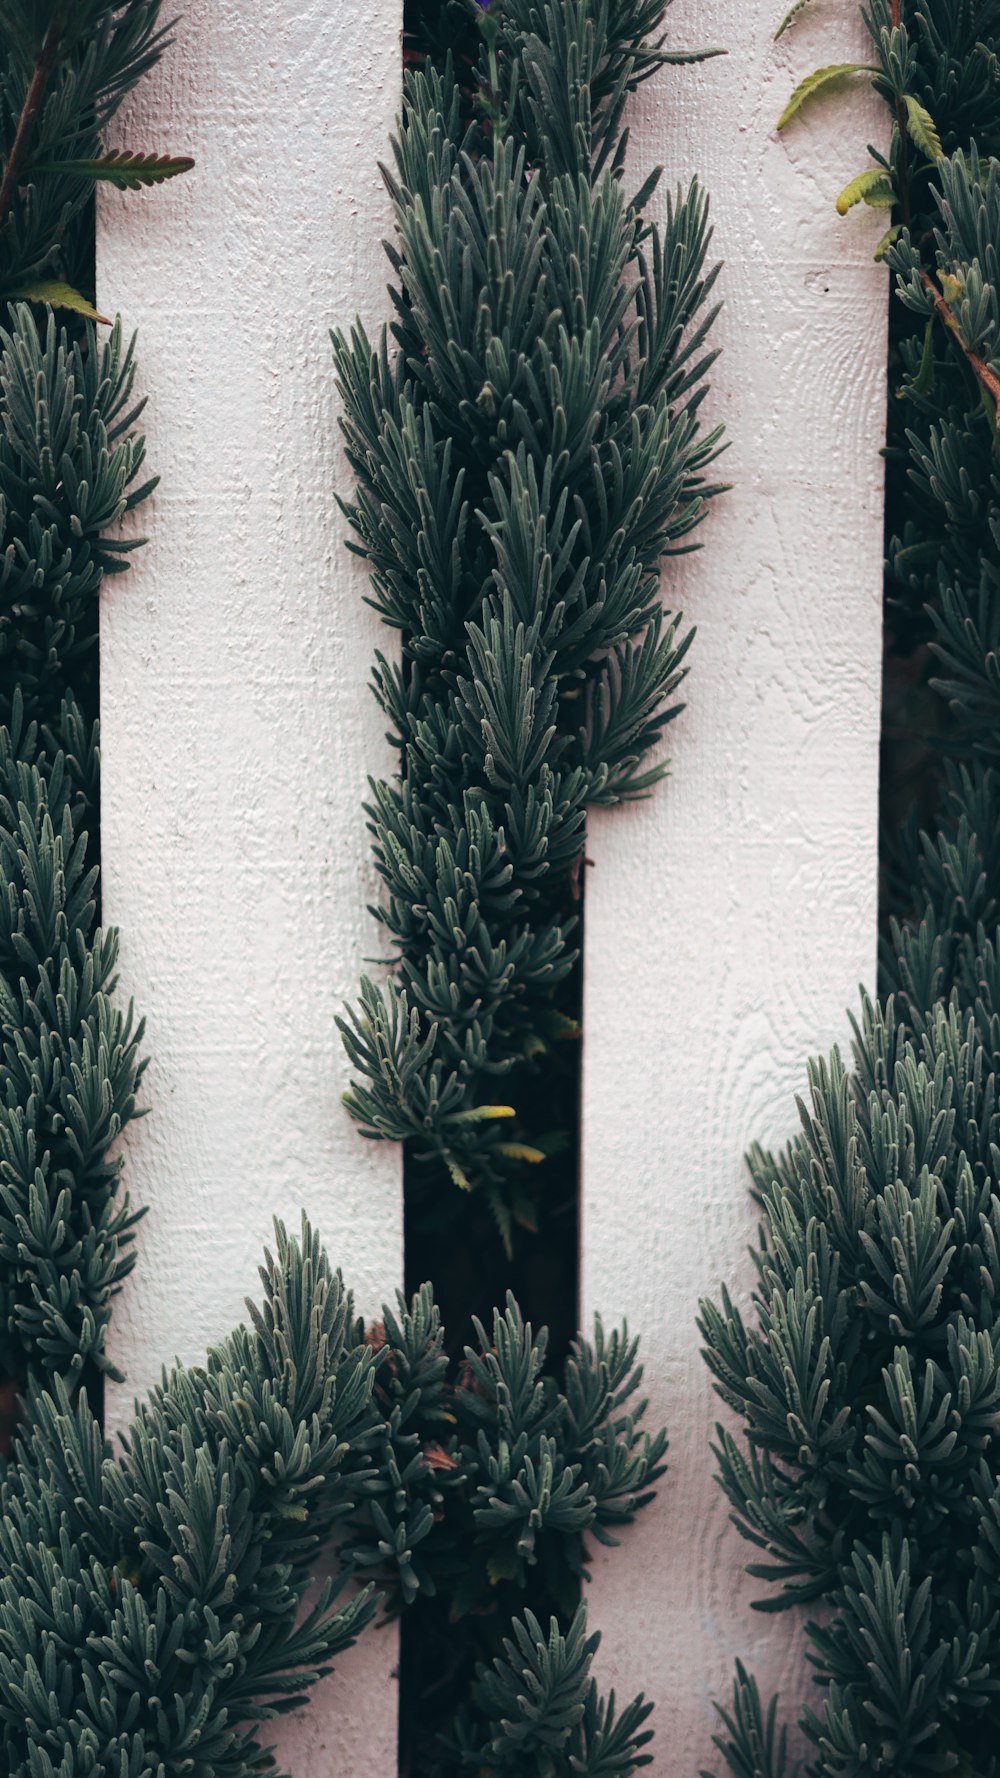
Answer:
x=59 y=296
x=478 y=1114
x=921 y=127
x=873 y=186
x=891 y=234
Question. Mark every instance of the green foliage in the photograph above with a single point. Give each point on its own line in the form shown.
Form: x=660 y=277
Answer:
x=536 y=1713
x=503 y=1468
x=151 y=1602
x=935 y=63
x=944 y=560
x=67 y=69
x=865 y=1378
x=159 y=1604
x=868 y=1387
x=527 y=448
x=921 y=128
x=871 y=187
x=753 y=1746
x=128 y=171
x=70 y=470
x=492 y=1478
x=68 y=1075
x=819 y=83
x=790 y=16
x=69 y=467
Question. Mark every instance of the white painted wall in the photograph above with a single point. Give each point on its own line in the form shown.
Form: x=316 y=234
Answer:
x=238 y=730
x=730 y=918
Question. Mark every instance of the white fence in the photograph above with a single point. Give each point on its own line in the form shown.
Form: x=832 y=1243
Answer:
x=729 y=919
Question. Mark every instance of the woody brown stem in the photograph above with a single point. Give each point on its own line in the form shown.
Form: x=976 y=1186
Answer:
x=47 y=58
x=987 y=377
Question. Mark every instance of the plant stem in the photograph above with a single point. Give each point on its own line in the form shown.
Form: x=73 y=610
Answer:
x=988 y=378
x=904 y=163
x=896 y=19
x=48 y=55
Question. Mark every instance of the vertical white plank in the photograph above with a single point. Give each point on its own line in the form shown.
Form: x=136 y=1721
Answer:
x=238 y=730
x=731 y=917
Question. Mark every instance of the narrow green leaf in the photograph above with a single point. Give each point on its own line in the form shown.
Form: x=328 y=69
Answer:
x=873 y=186
x=821 y=80
x=684 y=58
x=799 y=6
x=916 y=556
x=127 y=170
x=922 y=129
x=58 y=296
x=923 y=382
x=458 y=1176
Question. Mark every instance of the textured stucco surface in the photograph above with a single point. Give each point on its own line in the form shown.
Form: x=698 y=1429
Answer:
x=237 y=725
x=730 y=918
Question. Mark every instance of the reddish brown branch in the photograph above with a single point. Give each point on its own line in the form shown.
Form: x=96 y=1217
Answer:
x=47 y=58
x=987 y=377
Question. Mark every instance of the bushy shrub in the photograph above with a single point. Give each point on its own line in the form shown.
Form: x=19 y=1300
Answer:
x=527 y=448
x=866 y=1379
x=71 y=465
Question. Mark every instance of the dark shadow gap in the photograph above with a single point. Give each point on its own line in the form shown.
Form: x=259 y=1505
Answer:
x=454 y=1241
x=916 y=722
